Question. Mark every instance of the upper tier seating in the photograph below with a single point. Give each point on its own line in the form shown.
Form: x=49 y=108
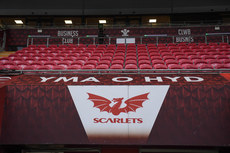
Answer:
x=131 y=56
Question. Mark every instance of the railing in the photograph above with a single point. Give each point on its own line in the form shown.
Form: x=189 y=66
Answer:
x=116 y=71
x=161 y=38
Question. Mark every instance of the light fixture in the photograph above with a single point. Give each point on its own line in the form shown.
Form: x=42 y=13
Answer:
x=102 y=21
x=152 y=20
x=18 y=21
x=68 y=22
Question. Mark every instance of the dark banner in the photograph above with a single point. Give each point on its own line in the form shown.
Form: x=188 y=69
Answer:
x=125 y=109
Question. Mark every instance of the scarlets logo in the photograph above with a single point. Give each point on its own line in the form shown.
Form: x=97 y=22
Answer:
x=115 y=113
x=104 y=104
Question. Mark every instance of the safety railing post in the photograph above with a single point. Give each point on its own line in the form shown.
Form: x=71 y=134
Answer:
x=157 y=40
x=47 y=42
x=28 y=39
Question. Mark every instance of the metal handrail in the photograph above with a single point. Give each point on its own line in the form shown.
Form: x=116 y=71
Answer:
x=30 y=39
x=118 y=71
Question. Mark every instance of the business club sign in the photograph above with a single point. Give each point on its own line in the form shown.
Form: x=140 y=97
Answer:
x=118 y=112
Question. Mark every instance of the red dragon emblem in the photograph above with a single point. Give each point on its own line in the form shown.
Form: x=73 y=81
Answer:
x=131 y=104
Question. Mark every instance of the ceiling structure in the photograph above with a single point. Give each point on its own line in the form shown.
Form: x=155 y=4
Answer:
x=110 y=7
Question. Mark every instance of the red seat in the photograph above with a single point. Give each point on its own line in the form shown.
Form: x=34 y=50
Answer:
x=36 y=64
x=64 y=64
x=106 y=58
x=205 y=66
x=185 y=61
x=116 y=66
x=145 y=66
x=88 y=66
x=171 y=61
x=156 y=58
x=174 y=66
x=92 y=62
x=160 y=66
x=9 y=63
x=107 y=62
x=181 y=58
x=222 y=66
x=143 y=58
x=78 y=62
x=119 y=58
x=94 y=58
x=169 y=58
x=43 y=68
x=4 y=60
x=12 y=56
x=10 y=67
x=74 y=67
x=58 y=67
x=208 y=57
x=226 y=61
x=117 y=62
x=131 y=66
x=102 y=66
x=130 y=62
x=199 y=62
x=21 y=65
x=213 y=61
x=189 y=66
x=158 y=62
x=144 y=62
x=29 y=67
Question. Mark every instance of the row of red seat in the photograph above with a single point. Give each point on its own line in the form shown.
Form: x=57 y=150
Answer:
x=118 y=57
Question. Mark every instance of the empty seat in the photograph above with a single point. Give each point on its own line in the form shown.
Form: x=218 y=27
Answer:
x=170 y=61
x=174 y=66
x=199 y=62
x=226 y=61
x=92 y=62
x=88 y=66
x=58 y=67
x=213 y=61
x=29 y=67
x=131 y=66
x=205 y=66
x=107 y=62
x=145 y=66
x=102 y=66
x=158 y=62
x=189 y=66
x=156 y=58
x=117 y=62
x=185 y=61
x=116 y=66
x=144 y=62
x=160 y=66
x=10 y=67
x=222 y=66
x=74 y=67
x=64 y=64
x=130 y=62
x=43 y=67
